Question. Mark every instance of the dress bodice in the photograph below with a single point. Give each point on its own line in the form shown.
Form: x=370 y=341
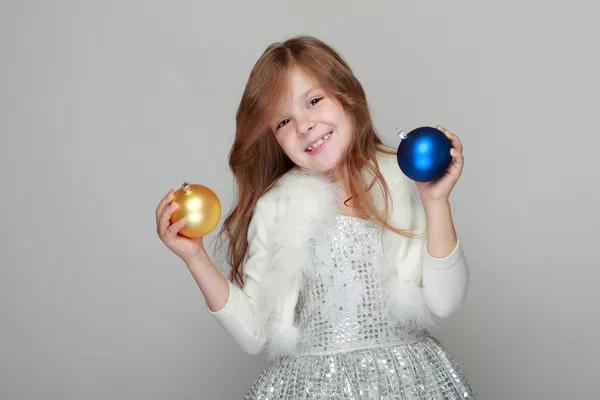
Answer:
x=342 y=306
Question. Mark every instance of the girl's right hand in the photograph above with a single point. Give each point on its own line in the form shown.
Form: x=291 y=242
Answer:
x=186 y=248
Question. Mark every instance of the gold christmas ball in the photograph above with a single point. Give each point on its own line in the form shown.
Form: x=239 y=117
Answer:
x=200 y=206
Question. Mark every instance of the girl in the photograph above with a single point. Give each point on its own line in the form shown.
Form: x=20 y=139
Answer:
x=340 y=264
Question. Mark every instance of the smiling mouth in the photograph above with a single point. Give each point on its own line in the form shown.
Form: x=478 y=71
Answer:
x=319 y=142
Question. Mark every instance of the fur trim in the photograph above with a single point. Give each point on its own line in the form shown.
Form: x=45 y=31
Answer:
x=305 y=209
x=283 y=340
x=407 y=305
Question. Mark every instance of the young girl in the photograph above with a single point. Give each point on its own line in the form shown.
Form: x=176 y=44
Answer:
x=340 y=263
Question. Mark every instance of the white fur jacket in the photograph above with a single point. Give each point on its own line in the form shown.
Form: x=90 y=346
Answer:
x=299 y=210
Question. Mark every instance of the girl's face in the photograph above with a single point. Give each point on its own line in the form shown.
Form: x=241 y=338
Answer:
x=312 y=128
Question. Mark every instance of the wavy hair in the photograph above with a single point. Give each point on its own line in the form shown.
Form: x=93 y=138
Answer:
x=256 y=159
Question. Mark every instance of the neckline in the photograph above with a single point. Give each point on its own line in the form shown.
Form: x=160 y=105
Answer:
x=352 y=220
x=352 y=217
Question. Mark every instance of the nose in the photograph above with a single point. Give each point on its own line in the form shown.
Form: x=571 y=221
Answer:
x=305 y=127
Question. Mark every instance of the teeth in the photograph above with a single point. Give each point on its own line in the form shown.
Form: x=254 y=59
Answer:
x=318 y=143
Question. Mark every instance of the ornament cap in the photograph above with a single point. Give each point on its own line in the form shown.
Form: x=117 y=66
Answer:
x=186 y=187
x=401 y=134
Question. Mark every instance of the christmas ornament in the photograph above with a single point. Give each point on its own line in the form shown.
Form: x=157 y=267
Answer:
x=424 y=153
x=200 y=206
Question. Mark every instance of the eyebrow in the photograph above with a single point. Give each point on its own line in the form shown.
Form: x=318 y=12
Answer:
x=309 y=90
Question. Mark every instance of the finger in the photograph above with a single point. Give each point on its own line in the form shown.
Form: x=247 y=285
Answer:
x=455 y=141
x=164 y=202
x=456 y=152
x=457 y=164
x=446 y=132
x=459 y=160
x=449 y=134
x=442 y=129
x=164 y=221
x=174 y=229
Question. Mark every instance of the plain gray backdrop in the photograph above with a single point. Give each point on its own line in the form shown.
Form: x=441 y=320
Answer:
x=106 y=105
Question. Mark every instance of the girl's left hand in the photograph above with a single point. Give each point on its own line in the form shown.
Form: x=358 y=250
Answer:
x=439 y=190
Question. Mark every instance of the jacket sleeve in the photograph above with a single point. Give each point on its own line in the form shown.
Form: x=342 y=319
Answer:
x=445 y=280
x=240 y=316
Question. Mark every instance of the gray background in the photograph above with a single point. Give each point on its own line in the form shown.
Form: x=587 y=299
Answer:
x=106 y=105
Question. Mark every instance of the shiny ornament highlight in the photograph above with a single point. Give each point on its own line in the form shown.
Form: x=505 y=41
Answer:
x=200 y=205
x=424 y=153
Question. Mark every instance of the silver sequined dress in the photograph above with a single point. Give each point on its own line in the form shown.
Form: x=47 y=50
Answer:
x=348 y=349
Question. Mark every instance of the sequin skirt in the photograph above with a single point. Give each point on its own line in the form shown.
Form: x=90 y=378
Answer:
x=422 y=370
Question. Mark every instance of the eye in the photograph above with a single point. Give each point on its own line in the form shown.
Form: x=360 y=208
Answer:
x=314 y=101
x=283 y=123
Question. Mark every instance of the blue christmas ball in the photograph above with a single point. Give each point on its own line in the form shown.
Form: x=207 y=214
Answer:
x=424 y=154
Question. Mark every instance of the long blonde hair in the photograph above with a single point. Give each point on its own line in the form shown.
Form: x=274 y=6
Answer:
x=257 y=160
